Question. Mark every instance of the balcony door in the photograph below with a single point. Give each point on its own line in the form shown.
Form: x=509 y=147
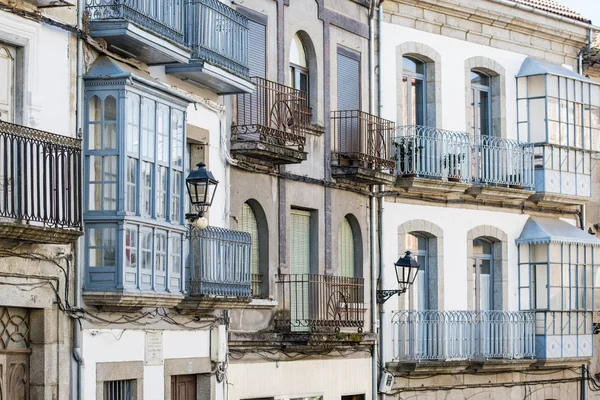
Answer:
x=413 y=81
x=482 y=104
x=348 y=94
x=300 y=269
x=483 y=259
x=7 y=82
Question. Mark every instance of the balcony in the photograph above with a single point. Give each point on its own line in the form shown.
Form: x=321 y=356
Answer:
x=320 y=303
x=218 y=37
x=432 y=336
x=40 y=185
x=219 y=269
x=362 y=147
x=150 y=30
x=271 y=124
x=502 y=168
x=563 y=334
x=430 y=160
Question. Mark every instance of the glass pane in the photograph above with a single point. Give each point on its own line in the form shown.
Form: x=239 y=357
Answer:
x=175 y=252
x=484 y=113
x=161 y=192
x=537 y=120
x=162 y=130
x=418 y=98
x=131 y=247
x=146 y=188
x=95 y=136
x=148 y=134
x=131 y=189
x=110 y=108
x=477 y=78
x=94 y=109
x=552 y=85
x=109 y=243
x=110 y=136
x=177 y=138
x=412 y=65
x=146 y=248
x=485 y=285
x=161 y=251
x=536 y=86
x=297 y=52
x=176 y=197
x=522 y=87
x=110 y=169
x=133 y=123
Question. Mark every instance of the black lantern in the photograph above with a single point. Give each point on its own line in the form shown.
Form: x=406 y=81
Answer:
x=406 y=273
x=201 y=186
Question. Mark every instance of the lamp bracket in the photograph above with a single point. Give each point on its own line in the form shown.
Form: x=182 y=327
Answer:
x=384 y=295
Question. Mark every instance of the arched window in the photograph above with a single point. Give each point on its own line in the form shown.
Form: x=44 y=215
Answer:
x=482 y=103
x=483 y=259
x=346 y=259
x=248 y=224
x=419 y=294
x=299 y=74
x=414 y=91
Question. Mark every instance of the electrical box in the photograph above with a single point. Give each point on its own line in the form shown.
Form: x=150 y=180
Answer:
x=218 y=344
x=386 y=383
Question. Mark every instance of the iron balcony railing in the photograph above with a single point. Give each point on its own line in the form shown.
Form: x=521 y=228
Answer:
x=320 y=303
x=363 y=138
x=452 y=335
x=273 y=113
x=220 y=263
x=499 y=161
x=218 y=34
x=40 y=177
x=433 y=153
x=163 y=17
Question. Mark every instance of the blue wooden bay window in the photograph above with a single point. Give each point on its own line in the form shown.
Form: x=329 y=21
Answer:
x=134 y=160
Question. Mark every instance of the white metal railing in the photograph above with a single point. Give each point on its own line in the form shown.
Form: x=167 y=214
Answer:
x=503 y=162
x=430 y=152
x=451 y=335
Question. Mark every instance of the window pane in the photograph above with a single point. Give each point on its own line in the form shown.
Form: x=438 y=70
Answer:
x=477 y=78
x=536 y=86
x=95 y=136
x=94 y=109
x=131 y=193
x=110 y=108
x=161 y=251
x=177 y=139
x=162 y=131
x=146 y=248
x=133 y=123
x=161 y=192
x=412 y=65
x=148 y=133
x=176 y=197
x=131 y=247
x=110 y=136
x=146 y=205
x=297 y=52
x=175 y=251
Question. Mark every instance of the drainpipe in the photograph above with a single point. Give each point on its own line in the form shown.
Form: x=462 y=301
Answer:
x=372 y=243
x=380 y=199
x=77 y=393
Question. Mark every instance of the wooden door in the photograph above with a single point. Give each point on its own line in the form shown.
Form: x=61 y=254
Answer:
x=183 y=387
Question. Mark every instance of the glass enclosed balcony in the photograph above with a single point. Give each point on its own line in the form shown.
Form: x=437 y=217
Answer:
x=149 y=30
x=559 y=112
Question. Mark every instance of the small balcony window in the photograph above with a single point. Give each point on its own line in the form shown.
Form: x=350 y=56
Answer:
x=134 y=158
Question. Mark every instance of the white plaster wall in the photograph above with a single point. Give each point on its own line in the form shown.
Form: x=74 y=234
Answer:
x=47 y=72
x=328 y=378
x=118 y=345
x=453 y=53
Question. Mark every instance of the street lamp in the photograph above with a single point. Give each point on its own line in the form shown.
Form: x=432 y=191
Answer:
x=201 y=186
x=406 y=272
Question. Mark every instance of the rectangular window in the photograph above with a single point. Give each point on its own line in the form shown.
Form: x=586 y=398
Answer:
x=176 y=197
x=146 y=249
x=177 y=139
x=148 y=128
x=161 y=251
x=146 y=188
x=102 y=182
x=131 y=247
x=7 y=82
x=175 y=252
x=162 y=134
x=131 y=185
x=118 y=390
x=102 y=246
x=161 y=192
x=132 y=135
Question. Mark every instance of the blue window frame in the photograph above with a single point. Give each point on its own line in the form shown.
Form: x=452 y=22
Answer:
x=134 y=158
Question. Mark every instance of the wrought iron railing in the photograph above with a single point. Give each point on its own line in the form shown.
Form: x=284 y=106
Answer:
x=451 y=335
x=499 y=161
x=433 y=153
x=40 y=177
x=363 y=138
x=218 y=34
x=164 y=17
x=274 y=113
x=220 y=263
x=564 y=323
x=320 y=303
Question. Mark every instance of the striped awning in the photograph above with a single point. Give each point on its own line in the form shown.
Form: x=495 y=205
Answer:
x=541 y=230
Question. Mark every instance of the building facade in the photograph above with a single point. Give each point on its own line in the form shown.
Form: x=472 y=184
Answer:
x=494 y=157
